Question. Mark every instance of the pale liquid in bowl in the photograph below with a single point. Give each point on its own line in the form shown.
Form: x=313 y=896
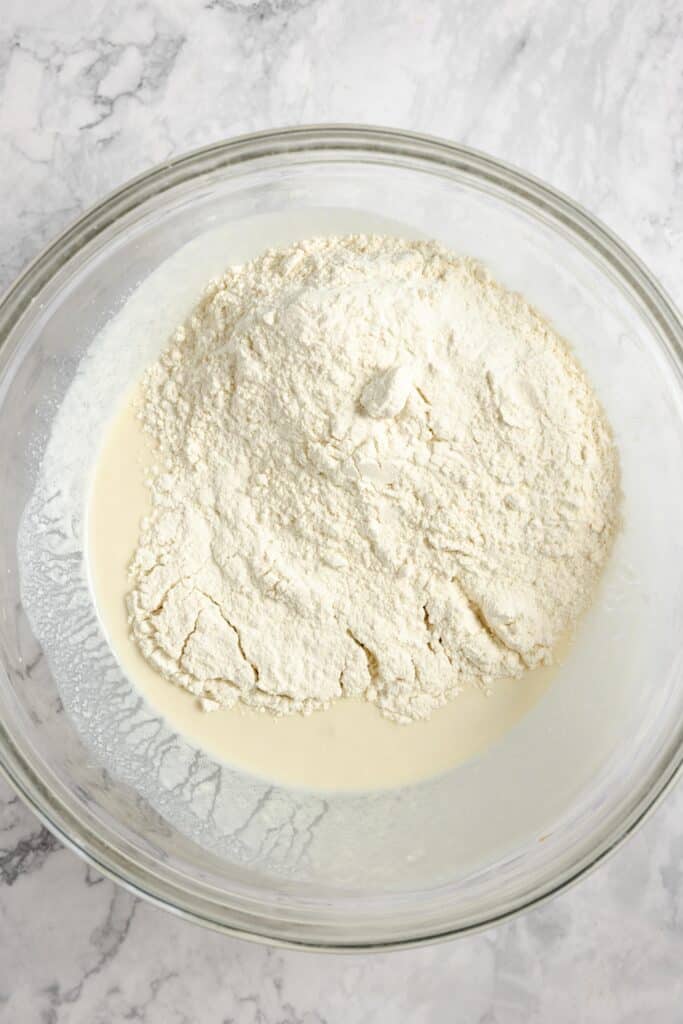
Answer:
x=350 y=745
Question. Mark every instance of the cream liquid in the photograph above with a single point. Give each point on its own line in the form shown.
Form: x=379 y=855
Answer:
x=349 y=746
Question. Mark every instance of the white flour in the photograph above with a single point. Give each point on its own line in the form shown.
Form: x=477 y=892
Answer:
x=379 y=474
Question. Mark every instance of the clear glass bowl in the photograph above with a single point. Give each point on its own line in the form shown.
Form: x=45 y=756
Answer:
x=454 y=853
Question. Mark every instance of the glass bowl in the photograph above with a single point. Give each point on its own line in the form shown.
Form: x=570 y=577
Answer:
x=304 y=867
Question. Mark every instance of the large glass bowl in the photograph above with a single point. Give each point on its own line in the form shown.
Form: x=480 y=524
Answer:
x=454 y=853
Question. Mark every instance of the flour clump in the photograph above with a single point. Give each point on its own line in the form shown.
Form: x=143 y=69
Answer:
x=378 y=474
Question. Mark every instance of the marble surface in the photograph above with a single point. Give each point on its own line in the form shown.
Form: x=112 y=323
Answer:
x=587 y=95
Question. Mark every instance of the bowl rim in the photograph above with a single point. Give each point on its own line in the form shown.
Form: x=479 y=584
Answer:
x=428 y=151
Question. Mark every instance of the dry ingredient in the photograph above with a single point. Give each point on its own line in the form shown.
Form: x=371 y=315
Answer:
x=378 y=474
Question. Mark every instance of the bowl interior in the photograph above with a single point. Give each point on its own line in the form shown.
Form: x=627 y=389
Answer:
x=244 y=853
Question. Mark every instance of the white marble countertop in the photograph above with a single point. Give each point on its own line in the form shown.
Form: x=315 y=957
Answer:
x=587 y=95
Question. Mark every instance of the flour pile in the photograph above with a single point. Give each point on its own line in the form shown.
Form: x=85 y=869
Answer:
x=379 y=474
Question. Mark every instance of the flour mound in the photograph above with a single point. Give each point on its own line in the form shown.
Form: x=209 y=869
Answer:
x=379 y=474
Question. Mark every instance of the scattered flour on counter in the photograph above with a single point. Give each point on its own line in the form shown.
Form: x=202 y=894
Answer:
x=378 y=474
